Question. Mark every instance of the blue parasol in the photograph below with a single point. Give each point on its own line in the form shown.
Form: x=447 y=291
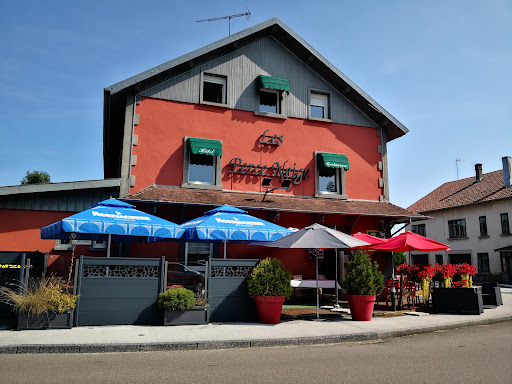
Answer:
x=112 y=220
x=228 y=224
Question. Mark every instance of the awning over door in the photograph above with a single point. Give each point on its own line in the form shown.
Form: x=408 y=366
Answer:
x=270 y=82
x=204 y=146
x=332 y=160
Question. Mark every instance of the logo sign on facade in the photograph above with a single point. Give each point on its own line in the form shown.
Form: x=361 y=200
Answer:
x=335 y=165
x=274 y=170
x=206 y=151
x=271 y=140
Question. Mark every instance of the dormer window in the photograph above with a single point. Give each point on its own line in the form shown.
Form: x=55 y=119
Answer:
x=214 y=89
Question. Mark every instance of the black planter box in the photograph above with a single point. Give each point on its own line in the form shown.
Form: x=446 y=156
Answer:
x=49 y=320
x=463 y=301
x=491 y=294
x=192 y=316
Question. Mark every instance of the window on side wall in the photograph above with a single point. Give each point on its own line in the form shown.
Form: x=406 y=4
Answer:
x=419 y=229
x=330 y=175
x=439 y=259
x=457 y=228
x=483 y=225
x=483 y=263
x=214 y=89
x=202 y=163
x=505 y=227
x=270 y=101
x=318 y=105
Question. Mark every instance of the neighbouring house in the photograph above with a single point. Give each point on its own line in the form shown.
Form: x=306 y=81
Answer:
x=472 y=215
x=24 y=209
x=259 y=111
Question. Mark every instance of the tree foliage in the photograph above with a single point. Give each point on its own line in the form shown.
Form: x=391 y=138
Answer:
x=36 y=177
x=269 y=278
x=362 y=277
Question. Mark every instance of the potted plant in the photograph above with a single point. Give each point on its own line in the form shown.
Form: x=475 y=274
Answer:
x=362 y=281
x=43 y=304
x=269 y=285
x=180 y=307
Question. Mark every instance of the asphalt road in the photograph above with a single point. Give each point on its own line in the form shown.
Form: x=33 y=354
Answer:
x=477 y=354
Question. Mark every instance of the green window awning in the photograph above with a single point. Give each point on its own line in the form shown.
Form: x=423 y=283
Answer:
x=274 y=83
x=333 y=160
x=204 y=146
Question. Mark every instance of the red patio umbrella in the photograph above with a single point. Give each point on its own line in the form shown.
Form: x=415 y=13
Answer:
x=409 y=241
x=373 y=240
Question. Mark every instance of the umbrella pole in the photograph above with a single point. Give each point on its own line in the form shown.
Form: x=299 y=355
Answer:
x=225 y=242
x=337 y=304
x=109 y=242
x=317 y=294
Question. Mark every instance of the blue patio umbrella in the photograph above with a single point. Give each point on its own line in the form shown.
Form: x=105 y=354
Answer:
x=112 y=220
x=228 y=224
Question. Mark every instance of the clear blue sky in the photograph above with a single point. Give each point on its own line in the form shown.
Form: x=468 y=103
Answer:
x=442 y=68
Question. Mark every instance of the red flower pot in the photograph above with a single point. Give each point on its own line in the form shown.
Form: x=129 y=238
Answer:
x=361 y=306
x=269 y=308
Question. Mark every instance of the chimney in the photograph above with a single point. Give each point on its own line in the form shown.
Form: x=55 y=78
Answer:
x=507 y=170
x=478 y=172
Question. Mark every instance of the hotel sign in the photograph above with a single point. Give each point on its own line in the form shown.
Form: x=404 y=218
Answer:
x=284 y=171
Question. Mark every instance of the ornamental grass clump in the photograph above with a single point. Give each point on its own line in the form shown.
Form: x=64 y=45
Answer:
x=269 y=278
x=176 y=299
x=362 y=276
x=41 y=296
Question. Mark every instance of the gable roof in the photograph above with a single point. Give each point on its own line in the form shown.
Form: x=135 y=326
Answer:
x=115 y=95
x=464 y=192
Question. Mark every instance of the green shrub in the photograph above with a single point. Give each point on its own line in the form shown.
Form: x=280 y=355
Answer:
x=176 y=299
x=362 y=277
x=269 y=278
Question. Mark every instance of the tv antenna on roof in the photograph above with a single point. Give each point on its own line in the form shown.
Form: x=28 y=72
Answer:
x=248 y=14
x=457 y=161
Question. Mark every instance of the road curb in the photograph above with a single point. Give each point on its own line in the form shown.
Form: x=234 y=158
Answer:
x=237 y=344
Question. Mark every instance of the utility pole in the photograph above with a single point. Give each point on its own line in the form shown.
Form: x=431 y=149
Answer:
x=229 y=17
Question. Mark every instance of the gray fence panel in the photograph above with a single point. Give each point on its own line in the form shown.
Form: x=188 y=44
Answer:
x=228 y=298
x=116 y=291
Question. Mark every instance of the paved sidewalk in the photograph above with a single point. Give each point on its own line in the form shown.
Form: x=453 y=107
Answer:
x=238 y=335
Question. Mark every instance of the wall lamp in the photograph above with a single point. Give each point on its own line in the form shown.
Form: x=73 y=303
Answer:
x=266 y=183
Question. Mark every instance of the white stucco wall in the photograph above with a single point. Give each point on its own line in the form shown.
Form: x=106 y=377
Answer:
x=437 y=229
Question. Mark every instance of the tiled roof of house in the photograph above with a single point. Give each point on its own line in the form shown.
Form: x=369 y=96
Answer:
x=464 y=192
x=272 y=202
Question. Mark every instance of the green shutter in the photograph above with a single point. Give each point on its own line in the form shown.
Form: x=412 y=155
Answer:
x=332 y=160
x=274 y=83
x=204 y=146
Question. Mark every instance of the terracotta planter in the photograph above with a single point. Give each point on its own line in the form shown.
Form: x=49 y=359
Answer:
x=361 y=306
x=269 y=308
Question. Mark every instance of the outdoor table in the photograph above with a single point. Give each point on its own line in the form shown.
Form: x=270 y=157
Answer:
x=312 y=284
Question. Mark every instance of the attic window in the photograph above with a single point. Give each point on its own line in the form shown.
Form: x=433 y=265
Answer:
x=214 y=89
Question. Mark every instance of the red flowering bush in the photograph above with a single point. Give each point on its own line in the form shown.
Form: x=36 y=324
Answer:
x=444 y=271
x=416 y=272
x=466 y=269
x=460 y=283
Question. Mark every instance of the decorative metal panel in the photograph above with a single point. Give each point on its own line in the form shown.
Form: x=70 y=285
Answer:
x=127 y=271
x=234 y=271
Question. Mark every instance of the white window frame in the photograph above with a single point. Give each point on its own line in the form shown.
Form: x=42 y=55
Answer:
x=196 y=182
x=277 y=93
x=341 y=185
x=215 y=79
x=319 y=99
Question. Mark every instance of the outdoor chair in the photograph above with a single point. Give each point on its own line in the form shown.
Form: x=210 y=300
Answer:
x=409 y=293
x=386 y=293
